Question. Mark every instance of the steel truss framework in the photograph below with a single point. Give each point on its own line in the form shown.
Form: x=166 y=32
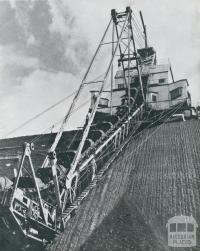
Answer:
x=29 y=207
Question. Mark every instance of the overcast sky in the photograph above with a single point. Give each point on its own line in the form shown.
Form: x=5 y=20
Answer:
x=46 y=45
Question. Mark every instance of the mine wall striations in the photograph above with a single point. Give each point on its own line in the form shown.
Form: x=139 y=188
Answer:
x=155 y=178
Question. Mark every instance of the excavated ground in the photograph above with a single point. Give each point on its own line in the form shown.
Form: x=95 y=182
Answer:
x=154 y=179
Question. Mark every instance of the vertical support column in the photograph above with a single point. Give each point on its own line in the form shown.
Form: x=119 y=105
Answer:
x=129 y=82
x=112 y=80
x=53 y=161
x=94 y=168
x=113 y=14
x=26 y=152
x=38 y=190
x=128 y=10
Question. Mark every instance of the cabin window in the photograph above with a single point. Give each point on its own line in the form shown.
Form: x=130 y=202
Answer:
x=181 y=227
x=161 y=80
x=120 y=86
x=103 y=102
x=176 y=93
x=190 y=227
x=25 y=200
x=173 y=227
x=154 y=98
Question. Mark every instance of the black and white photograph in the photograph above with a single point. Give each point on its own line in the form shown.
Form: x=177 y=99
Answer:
x=100 y=125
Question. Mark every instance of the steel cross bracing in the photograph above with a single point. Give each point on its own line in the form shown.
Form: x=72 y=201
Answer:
x=124 y=18
x=38 y=217
x=47 y=216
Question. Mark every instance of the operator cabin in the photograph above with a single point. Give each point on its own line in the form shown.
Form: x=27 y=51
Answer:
x=161 y=91
x=163 y=94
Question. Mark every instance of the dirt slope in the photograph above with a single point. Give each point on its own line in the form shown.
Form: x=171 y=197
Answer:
x=154 y=179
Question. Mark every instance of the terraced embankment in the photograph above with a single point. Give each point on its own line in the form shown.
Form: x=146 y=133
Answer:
x=154 y=179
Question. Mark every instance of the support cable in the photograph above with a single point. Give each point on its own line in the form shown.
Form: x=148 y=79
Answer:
x=59 y=121
x=139 y=31
x=137 y=21
x=39 y=114
x=65 y=120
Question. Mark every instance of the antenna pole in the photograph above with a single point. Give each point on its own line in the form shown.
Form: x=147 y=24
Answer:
x=172 y=75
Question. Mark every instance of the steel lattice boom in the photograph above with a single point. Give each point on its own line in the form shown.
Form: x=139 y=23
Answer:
x=41 y=199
